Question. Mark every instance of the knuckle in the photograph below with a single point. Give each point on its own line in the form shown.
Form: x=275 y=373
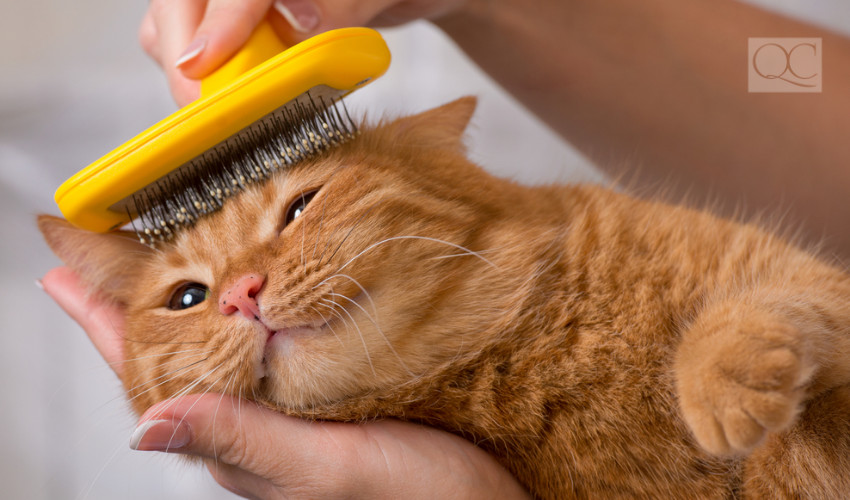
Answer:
x=232 y=449
x=147 y=39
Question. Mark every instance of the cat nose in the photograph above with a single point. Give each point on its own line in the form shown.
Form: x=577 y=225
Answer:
x=242 y=296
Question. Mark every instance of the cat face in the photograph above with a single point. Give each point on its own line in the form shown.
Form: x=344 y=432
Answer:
x=344 y=275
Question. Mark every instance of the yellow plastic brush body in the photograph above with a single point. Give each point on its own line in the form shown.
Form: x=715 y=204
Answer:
x=259 y=79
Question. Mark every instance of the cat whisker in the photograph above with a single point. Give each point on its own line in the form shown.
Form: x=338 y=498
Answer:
x=378 y=327
x=189 y=386
x=63 y=386
x=116 y=398
x=160 y=377
x=321 y=224
x=415 y=237
x=215 y=414
x=360 y=333
x=158 y=342
x=239 y=406
x=356 y=224
x=337 y=315
x=85 y=493
x=187 y=390
x=160 y=355
x=331 y=306
x=362 y=289
x=328 y=324
x=97 y=423
x=303 y=238
x=449 y=256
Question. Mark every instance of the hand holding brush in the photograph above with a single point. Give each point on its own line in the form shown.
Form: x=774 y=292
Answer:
x=191 y=38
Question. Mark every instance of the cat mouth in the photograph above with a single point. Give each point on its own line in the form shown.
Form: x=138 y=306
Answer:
x=289 y=332
x=279 y=341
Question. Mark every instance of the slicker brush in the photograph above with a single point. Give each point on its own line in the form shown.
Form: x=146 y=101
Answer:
x=201 y=187
x=267 y=108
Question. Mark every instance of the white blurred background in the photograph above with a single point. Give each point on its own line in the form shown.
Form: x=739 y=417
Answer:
x=73 y=85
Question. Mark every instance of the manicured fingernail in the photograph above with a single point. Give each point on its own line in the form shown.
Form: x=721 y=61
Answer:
x=160 y=435
x=192 y=51
x=39 y=284
x=300 y=14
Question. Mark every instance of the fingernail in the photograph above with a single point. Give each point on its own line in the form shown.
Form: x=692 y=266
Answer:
x=39 y=284
x=160 y=435
x=300 y=14
x=192 y=51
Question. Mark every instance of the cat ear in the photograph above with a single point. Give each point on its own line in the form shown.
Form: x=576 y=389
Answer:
x=107 y=263
x=442 y=127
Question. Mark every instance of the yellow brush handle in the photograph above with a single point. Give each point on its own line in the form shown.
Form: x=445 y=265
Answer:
x=260 y=47
x=263 y=76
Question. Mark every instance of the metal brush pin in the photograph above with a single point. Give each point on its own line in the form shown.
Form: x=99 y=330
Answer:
x=294 y=132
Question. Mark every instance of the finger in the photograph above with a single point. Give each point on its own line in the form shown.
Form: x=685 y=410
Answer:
x=176 y=22
x=148 y=37
x=260 y=453
x=102 y=320
x=225 y=27
x=295 y=20
x=239 y=433
x=240 y=482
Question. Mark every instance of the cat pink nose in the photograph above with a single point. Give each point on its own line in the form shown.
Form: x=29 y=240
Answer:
x=242 y=296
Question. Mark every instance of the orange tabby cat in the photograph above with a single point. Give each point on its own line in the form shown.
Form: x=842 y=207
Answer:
x=599 y=346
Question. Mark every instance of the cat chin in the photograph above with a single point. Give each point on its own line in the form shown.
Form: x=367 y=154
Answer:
x=281 y=341
x=281 y=344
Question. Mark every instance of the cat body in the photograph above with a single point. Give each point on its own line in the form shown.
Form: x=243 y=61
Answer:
x=597 y=345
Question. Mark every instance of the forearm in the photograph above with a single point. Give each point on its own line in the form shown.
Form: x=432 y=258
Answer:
x=660 y=87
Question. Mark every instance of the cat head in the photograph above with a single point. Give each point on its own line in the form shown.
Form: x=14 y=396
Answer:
x=347 y=273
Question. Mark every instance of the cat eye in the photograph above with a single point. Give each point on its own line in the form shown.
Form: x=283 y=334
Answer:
x=298 y=206
x=188 y=295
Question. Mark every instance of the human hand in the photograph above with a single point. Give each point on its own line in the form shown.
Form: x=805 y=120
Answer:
x=259 y=453
x=102 y=320
x=191 y=38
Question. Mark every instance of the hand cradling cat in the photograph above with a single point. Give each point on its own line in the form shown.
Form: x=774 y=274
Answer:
x=598 y=345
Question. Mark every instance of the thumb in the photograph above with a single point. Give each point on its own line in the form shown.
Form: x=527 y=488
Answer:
x=259 y=453
x=253 y=448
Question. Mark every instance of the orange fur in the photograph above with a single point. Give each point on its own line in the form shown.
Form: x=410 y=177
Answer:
x=598 y=345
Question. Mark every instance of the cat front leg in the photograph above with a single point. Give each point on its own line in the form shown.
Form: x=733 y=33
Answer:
x=742 y=371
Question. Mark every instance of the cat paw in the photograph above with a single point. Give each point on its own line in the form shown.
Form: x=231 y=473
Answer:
x=737 y=385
